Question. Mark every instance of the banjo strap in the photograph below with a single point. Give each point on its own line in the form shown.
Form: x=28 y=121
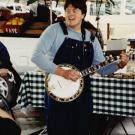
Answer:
x=64 y=28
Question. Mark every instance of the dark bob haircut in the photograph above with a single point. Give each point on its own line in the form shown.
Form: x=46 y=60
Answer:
x=81 y=4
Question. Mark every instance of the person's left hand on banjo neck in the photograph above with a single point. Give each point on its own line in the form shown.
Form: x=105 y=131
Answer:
x=124 y=58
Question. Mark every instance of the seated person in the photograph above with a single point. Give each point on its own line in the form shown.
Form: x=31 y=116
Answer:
x=5 y=67
x=8 y=125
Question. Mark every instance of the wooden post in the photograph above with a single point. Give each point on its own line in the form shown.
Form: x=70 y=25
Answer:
x=51 y=20
x=108 y=31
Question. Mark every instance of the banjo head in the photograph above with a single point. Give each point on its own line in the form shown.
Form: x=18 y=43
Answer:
x=61 y=89
x=6 y=86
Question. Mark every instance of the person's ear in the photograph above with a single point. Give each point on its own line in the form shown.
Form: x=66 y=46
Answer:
x=83 y=15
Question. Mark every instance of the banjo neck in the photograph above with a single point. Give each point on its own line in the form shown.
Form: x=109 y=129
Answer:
x=109 y=59
x=91 y=70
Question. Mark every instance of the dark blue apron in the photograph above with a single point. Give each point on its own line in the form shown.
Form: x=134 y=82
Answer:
x=72 y=118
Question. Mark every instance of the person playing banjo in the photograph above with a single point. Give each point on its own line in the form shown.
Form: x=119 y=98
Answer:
x=63 y=51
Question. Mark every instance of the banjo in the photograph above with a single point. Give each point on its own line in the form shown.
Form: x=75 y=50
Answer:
x=6 y=86
x=63 y=90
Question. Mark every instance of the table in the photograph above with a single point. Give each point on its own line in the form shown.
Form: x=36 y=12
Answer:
x=32 y=90
x=110 y=95
x=113 y=96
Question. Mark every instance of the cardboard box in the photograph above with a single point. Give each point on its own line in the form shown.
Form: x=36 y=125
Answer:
x=117 y=44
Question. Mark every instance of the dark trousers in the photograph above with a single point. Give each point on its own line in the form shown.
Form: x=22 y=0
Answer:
x=98 y=123
x=69 y=118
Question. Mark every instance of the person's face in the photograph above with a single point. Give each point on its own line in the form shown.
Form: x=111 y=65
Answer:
x=73 y=17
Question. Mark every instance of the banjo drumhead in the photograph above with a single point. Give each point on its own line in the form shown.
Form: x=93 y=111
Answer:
x=3 y=87
x=6 y=86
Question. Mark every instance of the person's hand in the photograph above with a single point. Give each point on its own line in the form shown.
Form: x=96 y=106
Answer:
x=70 y=74
x=124 y=58
x=4 y=72
x=4 y=114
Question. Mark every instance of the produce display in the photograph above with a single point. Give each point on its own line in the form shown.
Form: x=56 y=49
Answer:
x=15 y=25
x=16 y=21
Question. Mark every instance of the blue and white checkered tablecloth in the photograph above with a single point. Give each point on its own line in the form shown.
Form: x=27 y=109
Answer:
x=32 y=90
x=113 y=96
x=110 y=95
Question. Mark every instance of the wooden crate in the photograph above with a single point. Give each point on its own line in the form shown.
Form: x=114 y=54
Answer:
x=15 y=29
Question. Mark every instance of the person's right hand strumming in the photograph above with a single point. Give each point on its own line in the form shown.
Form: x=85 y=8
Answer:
x=70 y=74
